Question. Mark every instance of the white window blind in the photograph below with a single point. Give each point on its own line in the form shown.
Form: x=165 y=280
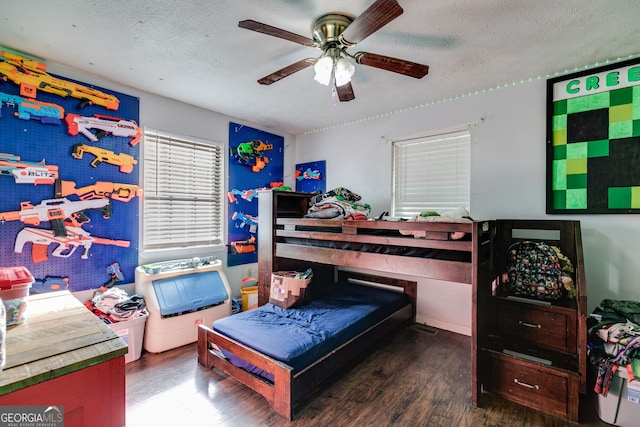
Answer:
x=431 y=174
x=183 y=192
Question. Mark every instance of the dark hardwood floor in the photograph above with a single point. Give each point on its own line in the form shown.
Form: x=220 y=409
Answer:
x=417 y=378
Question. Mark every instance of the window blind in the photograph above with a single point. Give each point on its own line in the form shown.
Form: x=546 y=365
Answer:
x=183 y=192
x=431 y=174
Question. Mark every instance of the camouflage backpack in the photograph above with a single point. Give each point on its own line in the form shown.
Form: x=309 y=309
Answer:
x=534 y=270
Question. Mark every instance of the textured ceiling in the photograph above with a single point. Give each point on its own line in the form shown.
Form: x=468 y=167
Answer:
x=193 y=50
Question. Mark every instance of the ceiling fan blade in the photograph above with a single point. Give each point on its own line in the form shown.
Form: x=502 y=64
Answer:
x=252 y=25
x=345 y=92
x=286 y=71
x=371 y=20
x=388 y=63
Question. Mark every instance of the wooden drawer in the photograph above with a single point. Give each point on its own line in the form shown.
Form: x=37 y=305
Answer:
x=550 y=329
x=540 y=389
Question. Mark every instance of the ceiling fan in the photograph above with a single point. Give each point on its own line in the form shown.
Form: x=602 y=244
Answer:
x=333 y=34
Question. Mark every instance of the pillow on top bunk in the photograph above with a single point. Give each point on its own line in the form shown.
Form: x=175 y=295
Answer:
x=456 y=235
x=287 y=291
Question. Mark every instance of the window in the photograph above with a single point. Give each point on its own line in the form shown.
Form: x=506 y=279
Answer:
x=183 y=192
x=431 y=174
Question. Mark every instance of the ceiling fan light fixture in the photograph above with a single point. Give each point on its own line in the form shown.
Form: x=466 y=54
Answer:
x=323 y=68
x=344 y=71
x=333 y=34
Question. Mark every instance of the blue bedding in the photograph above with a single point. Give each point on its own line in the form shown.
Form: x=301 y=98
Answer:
x=299 y=336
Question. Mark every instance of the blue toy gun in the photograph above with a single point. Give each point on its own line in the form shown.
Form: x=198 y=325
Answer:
x=31 y=109
x=244 y=220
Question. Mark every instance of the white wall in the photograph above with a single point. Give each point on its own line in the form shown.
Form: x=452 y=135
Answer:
x=168 y=115
x=508 y=180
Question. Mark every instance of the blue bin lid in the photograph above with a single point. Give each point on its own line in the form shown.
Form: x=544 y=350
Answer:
x=190 y=292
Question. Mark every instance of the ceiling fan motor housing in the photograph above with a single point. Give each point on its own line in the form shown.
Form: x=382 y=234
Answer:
x=327 y=29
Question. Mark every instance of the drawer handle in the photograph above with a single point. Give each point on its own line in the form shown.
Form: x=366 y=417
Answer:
x=529 y=325
x=535 y=387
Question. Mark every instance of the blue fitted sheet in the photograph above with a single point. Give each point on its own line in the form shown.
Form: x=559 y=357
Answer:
x=301 y=335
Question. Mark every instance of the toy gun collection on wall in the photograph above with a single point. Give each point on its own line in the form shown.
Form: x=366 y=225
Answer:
x=32 y=75
x=54 y=226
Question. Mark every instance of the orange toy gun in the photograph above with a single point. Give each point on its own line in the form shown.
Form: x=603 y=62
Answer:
x=123 y=160
x=55 y=211
x=100 y=189
x=66 y=245
x=32 y=75
x=244 y=246
x=106 y=126
x=27 y=172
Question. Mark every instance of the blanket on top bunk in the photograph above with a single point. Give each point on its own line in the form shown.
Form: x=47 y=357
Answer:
x=299 y=336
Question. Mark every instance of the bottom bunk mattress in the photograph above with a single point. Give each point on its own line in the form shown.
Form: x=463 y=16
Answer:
x=301 y=335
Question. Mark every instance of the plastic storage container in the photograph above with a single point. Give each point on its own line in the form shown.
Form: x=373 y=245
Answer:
x=132 y=333
x=14 y=288
x=249 y=297
x=621 y=406
x=249 y=293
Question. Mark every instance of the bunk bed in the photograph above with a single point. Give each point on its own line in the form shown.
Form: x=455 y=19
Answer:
x=456 y=252
x=531 y=352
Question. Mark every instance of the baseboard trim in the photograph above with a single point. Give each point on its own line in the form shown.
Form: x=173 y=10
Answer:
x=452 y=327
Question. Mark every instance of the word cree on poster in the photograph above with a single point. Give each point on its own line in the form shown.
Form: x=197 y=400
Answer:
x=593 y=140
x=598 y=83
x=69 y=176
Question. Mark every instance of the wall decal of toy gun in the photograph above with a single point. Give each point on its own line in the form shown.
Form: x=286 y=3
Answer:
x=31 y=109
x=27 y=172
x=66 y=245
x=55 y=211
x=105 y=125
x=100 y=189
x=32 y=75
x=123 y=160
x=245 y=219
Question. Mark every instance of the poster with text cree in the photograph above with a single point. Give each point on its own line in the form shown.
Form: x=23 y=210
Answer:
x=593 y=140
x=69 y=177
x=256 y=162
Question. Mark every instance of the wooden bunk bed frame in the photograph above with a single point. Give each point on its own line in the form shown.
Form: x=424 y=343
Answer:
x=280 y=217
x=553 y=331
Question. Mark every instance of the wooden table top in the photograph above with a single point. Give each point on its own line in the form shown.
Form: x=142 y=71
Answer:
x=59 y=335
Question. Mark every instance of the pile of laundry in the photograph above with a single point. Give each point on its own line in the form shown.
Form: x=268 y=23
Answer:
x=339 y=203
x=115 y=305
x=614 y=341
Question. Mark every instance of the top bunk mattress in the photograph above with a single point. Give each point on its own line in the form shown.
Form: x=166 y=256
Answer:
x=299 y=336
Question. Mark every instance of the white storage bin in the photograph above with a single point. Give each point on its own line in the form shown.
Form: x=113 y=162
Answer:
x=621 y=406
x=132 y=333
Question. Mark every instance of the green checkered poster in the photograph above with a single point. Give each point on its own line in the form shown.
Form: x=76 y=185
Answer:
x=593 y=140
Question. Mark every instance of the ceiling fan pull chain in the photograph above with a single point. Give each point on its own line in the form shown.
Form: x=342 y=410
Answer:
x=334 y=94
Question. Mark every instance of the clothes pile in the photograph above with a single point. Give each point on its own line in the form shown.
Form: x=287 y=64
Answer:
x=339 y=203
x=614 y=341
x=115 y=305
